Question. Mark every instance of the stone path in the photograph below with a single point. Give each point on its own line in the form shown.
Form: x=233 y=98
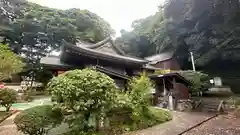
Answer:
x=7 y=127
x=221 y=125
x=181 y=122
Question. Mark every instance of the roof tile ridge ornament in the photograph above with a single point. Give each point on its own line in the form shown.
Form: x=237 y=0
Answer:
x=99 y=44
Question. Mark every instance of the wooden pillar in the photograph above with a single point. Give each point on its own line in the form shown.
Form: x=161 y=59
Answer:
x=164 y=88
x=174 y=83
x=175 y=95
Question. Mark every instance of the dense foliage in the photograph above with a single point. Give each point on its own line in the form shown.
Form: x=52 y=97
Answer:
x=92 y=104
x=7 y=97
x=133 y=111
x=38 y=120
x=149 y=36
x=85 y=94
x=208 y=28
x=200 y=81
x=33 y=31
x=140 y=91
x=10 y=63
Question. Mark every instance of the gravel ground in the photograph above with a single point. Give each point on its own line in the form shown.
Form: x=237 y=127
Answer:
x=221 y=125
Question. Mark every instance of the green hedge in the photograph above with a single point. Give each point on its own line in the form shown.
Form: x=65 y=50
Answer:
x=38 y=120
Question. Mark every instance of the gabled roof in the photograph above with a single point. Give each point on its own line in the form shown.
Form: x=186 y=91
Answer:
x=104 y=55
x=160 y=57
x=105 y=45
x=105 y=50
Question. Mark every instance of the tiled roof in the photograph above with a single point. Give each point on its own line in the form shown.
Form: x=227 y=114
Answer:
x=105 y=55
x=160 y=57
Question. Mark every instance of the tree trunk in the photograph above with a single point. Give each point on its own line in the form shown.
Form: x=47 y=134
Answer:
x=8 y=108
x=86 y=127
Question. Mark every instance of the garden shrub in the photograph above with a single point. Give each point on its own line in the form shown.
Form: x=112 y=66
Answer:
x=7 y=97
x=143 y=115
x=140 y=91
x=200 y=81
x=38 y=120
x=139 y=95
x=86 y=95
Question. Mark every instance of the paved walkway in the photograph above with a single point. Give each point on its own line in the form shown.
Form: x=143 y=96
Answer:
x=181 y=122
x=7 y=127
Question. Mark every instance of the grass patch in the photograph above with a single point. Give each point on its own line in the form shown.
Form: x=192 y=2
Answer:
x=3 y=114
x=233 y=100
x=122 y=123
x=160 y=114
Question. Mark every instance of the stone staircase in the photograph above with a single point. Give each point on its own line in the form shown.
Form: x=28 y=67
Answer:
x=212 y=106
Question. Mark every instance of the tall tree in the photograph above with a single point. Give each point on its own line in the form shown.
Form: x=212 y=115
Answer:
x=210 y=29
x=10 y=63
x=149 y=36
x=34 y=31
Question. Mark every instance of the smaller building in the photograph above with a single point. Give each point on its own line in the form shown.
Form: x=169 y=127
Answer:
x=170 y=84
x=165 y=60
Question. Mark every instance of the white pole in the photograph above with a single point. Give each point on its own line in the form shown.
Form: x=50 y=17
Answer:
x=192 y=59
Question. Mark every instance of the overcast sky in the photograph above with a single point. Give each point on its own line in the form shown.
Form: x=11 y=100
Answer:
x=119 y=13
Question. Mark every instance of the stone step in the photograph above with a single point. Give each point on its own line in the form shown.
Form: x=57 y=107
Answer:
x=209 y=110
x=212 y=106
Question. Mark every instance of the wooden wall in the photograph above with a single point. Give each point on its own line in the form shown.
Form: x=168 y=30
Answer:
x=171 y=64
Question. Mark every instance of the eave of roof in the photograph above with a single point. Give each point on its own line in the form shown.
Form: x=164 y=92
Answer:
x=169 y=75
x=151 y=67
x=54 y=61
x=110 y=72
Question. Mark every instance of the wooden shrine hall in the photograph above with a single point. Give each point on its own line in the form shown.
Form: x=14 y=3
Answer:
x=104 y=56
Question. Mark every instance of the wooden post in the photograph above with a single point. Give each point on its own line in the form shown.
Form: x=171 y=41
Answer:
x=174 y=95
x=174 y=83
x=164 y=88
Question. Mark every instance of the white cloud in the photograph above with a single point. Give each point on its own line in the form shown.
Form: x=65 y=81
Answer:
x=119 y=13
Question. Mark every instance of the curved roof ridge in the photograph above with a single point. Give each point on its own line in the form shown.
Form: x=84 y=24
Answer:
x=117 y=49
x=106 y=40
x=99 y=44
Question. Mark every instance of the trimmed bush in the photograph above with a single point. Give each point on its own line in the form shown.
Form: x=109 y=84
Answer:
x=86 y=95
x=38 y=120
x=7 y=97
